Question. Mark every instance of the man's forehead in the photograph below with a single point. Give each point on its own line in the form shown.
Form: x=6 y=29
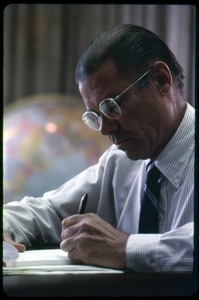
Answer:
x=105 y=74
x=107 y=70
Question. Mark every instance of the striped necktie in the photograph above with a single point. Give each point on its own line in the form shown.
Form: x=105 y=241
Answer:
x=150 y=205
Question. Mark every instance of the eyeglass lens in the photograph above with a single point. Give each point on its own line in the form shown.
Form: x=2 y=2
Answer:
x=110 y=108
x=92 y=120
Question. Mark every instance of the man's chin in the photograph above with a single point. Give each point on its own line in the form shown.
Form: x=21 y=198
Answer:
x=129 y=154
x=133 y=155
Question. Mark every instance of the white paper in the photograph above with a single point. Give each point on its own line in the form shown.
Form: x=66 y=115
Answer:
x=40 y=257
x=53 y=261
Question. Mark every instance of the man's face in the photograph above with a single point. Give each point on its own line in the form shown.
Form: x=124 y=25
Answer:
x=145 y=124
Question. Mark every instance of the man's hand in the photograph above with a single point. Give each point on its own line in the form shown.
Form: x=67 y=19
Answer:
x=91 y=240
x=7 y=238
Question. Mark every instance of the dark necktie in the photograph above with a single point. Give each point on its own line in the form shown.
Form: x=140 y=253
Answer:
x=150 y=205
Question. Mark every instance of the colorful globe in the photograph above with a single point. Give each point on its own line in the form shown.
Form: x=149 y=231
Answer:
x=45 y=144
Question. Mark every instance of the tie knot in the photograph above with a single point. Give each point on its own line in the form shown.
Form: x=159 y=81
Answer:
x=153 y=174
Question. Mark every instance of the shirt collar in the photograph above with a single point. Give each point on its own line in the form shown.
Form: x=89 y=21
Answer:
x=176 y=155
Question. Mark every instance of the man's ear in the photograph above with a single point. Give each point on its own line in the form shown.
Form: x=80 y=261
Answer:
x=161 y=74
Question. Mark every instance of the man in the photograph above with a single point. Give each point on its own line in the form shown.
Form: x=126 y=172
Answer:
x=132 y=87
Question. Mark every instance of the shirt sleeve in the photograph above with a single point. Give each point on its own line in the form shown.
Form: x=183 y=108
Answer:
x=32 y=221
x=38 y=220
x=169 y=252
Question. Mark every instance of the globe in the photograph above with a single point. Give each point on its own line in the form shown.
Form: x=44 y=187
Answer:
x=45 y=143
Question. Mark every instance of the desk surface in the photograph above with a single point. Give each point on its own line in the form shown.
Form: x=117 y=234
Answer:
x=127 y=284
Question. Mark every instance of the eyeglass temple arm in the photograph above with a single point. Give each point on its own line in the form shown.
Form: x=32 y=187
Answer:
x=132 y=84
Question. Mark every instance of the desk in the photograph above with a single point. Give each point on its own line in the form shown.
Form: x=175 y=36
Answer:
x=127 y=284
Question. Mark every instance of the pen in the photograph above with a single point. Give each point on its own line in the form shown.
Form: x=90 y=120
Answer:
x=82 y=204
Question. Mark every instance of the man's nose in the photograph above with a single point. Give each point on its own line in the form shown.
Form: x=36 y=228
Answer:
x=108 y=125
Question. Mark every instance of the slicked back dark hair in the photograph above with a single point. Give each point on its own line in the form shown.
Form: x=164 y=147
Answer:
x=133 y=49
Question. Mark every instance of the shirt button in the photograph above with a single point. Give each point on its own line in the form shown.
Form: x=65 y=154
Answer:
x=152 y=263
x=176 y=181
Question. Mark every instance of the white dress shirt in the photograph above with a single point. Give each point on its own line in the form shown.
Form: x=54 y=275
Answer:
x=115 y=188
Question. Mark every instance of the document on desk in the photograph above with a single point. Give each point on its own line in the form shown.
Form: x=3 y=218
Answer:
x=53 y=261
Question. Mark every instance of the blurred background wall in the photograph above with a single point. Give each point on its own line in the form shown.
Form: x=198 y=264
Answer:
x=42 y=42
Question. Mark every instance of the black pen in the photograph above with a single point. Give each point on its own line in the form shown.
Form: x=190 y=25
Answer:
x=82 y=204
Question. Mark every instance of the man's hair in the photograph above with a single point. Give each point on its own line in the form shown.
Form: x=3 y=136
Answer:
x=133 y=49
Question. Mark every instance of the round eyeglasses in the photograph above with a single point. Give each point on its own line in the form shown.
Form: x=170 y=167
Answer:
x=108 y=107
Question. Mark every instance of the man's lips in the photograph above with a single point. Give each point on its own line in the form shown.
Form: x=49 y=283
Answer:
x=118 y=141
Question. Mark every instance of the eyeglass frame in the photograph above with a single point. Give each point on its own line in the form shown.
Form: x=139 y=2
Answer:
x=115 y=99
